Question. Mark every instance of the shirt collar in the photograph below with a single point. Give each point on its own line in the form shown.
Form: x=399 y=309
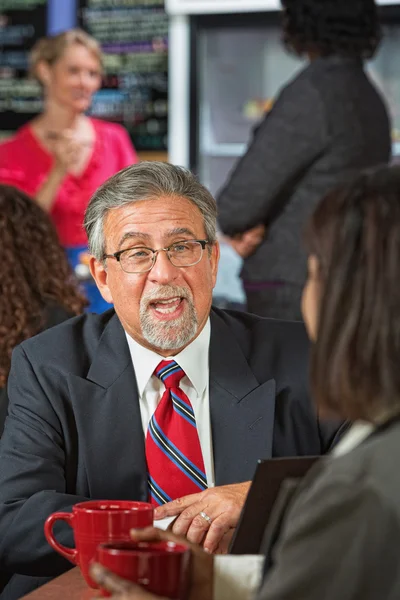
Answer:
x=193 y=360
x=357 y=433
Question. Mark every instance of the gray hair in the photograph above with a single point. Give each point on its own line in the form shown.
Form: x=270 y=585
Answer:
x=146 y=181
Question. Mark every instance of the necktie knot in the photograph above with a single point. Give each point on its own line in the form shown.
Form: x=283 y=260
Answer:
x=170 y=373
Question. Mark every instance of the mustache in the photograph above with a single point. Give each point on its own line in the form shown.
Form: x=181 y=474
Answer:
x=163 y=292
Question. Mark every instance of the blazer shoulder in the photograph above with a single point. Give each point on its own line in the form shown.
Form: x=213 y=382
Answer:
x=301 y=86
x=73 y=341
x=255 y=334
x=371 y=466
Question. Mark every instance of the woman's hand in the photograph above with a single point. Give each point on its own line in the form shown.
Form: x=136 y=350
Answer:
x=200 y=579
x=70 y=151
x=246 y=243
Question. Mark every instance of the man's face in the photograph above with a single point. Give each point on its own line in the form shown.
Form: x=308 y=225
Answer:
x=166 y=308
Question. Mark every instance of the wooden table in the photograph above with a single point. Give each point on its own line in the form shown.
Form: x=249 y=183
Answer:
x=69 y=586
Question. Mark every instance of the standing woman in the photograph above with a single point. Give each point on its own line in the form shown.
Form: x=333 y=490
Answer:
x=327 y=123
x=62 y=156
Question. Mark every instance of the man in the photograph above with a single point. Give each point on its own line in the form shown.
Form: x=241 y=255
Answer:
x=97 y=408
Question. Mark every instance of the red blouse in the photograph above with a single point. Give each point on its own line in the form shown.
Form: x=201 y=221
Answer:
x=25 y=164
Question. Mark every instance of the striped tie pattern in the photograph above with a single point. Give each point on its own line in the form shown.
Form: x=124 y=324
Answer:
x=173 y=453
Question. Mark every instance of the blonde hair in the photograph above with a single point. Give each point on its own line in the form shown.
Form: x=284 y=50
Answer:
x=50 y=49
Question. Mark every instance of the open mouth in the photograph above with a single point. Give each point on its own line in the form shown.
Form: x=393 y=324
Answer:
x=167 y=307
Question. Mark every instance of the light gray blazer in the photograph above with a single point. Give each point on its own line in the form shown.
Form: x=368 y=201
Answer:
x=340 y=538
x=326 y=124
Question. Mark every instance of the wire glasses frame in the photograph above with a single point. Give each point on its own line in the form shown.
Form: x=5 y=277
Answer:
x=140 y=259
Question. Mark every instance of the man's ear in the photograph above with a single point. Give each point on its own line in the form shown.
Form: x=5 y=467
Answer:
x=215 y=255
x=100 y=275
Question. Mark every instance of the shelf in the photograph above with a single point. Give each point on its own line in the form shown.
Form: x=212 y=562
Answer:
x=224 y=150
x=396 y=148
x=187 y=7
x=158 y=155
x=202 y=7
x=237 y=150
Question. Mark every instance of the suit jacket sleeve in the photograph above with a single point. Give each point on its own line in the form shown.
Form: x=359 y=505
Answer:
x=32 y=476
x=288 y=140
x=331 y=543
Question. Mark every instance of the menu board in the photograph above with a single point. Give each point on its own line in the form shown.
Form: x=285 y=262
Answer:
x=22 y=23
x=134 y=38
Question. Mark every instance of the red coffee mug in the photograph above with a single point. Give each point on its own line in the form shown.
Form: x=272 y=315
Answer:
x=161 y=568
x=94 y=522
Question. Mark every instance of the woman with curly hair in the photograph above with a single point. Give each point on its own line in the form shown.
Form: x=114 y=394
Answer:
x=37 y=289
x=327 y=123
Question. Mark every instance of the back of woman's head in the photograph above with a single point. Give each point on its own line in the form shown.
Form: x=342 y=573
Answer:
x=355 y=236
x=324 y=27
x=34 y=272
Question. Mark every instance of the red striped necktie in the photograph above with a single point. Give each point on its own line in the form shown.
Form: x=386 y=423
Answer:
x=173 y=453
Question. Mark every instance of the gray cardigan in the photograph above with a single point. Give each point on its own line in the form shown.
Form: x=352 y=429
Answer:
x=326 y=124
x=340 y=534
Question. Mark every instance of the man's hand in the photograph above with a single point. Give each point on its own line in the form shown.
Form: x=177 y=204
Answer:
x=222 y=505
x=246 y=243
x=200 y=578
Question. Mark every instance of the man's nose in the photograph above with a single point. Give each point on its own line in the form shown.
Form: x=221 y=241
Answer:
x=163 y=271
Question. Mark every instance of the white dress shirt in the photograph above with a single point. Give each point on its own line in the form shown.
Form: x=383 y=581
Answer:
x=239 y=577
x=195 y=384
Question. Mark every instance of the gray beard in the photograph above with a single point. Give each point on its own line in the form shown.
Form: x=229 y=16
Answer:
x=169 y=335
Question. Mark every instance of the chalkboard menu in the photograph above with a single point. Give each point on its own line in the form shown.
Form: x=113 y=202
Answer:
x=134 y=38
x=22 y=22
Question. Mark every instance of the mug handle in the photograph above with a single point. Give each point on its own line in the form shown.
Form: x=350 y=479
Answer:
x=68 y=553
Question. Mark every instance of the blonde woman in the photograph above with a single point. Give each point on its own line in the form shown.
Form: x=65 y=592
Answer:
x=62 y=156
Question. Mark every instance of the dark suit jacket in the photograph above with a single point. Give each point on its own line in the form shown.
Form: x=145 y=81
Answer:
x=74 y=429
x=327 y=124
x=340 y=537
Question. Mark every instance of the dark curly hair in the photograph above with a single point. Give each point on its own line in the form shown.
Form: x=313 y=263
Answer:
x=34 y=273
x=324 y=27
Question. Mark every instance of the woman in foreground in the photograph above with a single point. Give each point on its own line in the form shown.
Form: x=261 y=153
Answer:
x=340 y=536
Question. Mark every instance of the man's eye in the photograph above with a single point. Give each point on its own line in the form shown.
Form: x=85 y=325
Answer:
x=136 y=253
x=180 y=248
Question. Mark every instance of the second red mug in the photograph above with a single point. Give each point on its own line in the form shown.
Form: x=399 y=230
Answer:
x=95 y=522
x=162 y=568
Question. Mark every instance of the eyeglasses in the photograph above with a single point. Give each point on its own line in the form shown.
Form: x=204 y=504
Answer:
x=141 y=259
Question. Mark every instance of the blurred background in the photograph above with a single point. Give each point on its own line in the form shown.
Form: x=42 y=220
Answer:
x=189 y=79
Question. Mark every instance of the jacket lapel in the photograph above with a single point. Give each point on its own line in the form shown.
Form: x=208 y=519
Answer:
x=113 y=441
x=242 y=411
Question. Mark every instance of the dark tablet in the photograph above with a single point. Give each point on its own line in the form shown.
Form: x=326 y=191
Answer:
x=269 y=475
